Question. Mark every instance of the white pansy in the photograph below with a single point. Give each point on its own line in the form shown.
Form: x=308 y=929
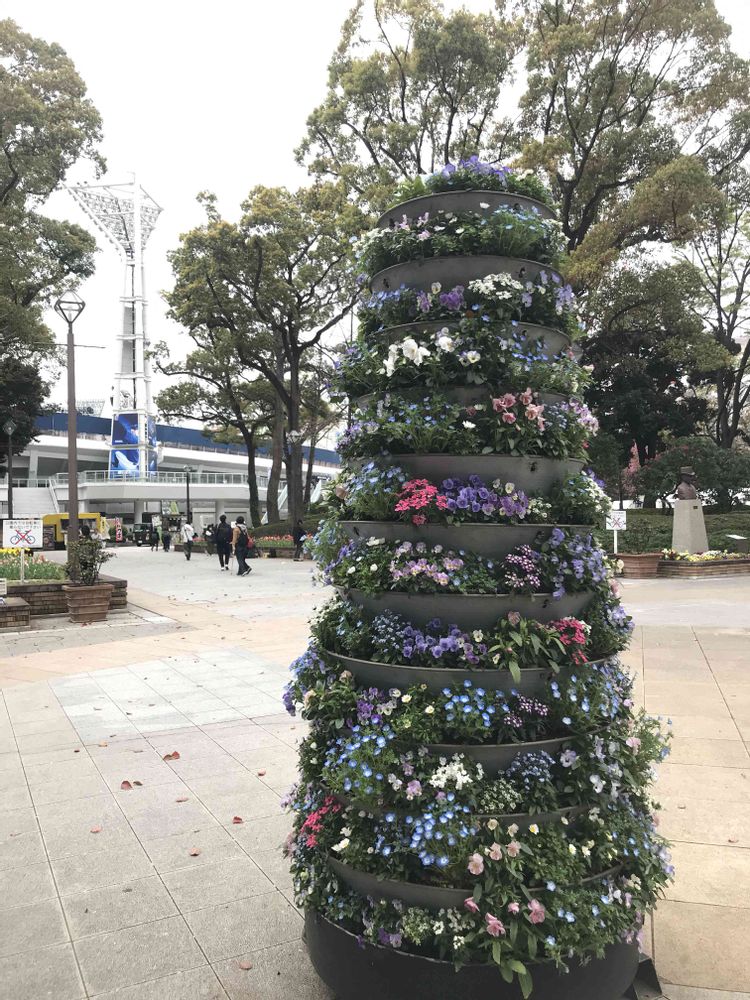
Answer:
x=468 y=425
x=446 y=343
x=484 y=204
x=435 y=287
x=473 y=357
x=373 y=542
x=413 y=352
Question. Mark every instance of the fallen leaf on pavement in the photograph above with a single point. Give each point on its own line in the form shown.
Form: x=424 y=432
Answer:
x=96 y=829
x=732 y=840
x=125 y=786
x=182 y=799
x=237 y=819
x=171 y=756
x=245 y=966
x=261 y=773
x=104 y=743
x=194 y=852
x=139 y=783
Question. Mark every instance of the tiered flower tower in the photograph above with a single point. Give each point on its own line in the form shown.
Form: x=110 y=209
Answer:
x=472 y=817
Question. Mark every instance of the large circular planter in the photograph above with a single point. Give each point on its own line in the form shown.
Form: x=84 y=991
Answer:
x=493 y=541
x=640 y=565
x=357 y=970
x=552 y=339
x=467 y=395
x=530 y=473
x=432 y=897
x=88 y=604
x=451 y=271
x=370 y=673
x=468 y=610
x=480 y=202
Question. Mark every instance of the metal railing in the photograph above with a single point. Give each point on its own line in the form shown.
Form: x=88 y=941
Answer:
x=169 y=478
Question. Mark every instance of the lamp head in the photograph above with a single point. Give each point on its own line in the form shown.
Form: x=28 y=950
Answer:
x=70 y=305
x=10 y=427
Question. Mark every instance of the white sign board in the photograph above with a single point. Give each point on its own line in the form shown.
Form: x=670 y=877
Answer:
x=617 y=520
x=22 y=533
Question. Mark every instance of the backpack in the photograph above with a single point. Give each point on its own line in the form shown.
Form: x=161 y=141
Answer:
x=223 y=533
x=243 y=539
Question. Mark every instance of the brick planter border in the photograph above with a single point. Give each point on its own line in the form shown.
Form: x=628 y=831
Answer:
x=674 y=569
x=14 y=615
x=46 y=597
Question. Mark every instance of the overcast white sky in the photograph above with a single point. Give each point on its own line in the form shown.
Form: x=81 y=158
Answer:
x=195 y=96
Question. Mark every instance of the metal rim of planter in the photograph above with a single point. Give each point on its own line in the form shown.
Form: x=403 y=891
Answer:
x=497 y=756
x=469 y=611
x=458 y=270
x=527 y=472
x=490 y=540
x=389 y=675
x=556 y=340
x=432 y=897
x=358 y=970
x=464 y=200
x=468 y=395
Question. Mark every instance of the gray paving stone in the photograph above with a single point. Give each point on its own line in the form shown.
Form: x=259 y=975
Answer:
x=264 y=833
x=136 y=954
x=198 y=984
x=18 y=850
x=117 y=906
x=222 y=882
x=231 y=929
x=21 y=886
x=25 y=928
x=10 y=762
x=15 y=797
x=170 y=819
x=279 y=764
x=67 y=826
x=42 y=974
x=691 y=993
x=275 y=866
x=54 y=740
x=75 y=788
x=74 y=768
x=277 y=974
x=170 y=853
x=81 y=872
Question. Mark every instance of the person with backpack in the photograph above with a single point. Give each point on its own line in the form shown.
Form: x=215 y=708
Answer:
x=240 y=544
x=188 y=536
x=298 y=537
x=223 y=541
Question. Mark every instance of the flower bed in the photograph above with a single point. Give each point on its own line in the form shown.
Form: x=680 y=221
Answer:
x=473 y=794
x=703 y=564
x=36 y=566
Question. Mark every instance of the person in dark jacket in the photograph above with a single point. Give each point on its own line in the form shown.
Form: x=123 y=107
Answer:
x=240 y=544
x=298 y=537
x=166 y=537
x=223 y=542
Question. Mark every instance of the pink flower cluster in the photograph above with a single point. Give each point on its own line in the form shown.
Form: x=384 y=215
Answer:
x=418 y=495
x=510 y=407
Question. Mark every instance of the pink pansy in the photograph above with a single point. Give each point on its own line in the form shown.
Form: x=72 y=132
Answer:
x=513 y=849
x=634 y=743
x=496 y=852
x=495 y=927
x=532 y=412
x=527 y=397
x=514 y=908
x=537 y=912
x=509 y=418
x=470 y=905
x=418 y=519
x=476 y=865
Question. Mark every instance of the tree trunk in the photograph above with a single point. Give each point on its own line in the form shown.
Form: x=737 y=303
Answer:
x=277 y=454
x=294 y=445
x=310 y=460
x=252 y=479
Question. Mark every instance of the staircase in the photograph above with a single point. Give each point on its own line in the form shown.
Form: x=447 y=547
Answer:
x=33 y=501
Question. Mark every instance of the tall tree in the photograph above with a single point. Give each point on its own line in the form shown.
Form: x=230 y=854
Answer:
x=721 y=253
x=409 y=88
x=46 y=124
x=650 y=353
x=276 y=283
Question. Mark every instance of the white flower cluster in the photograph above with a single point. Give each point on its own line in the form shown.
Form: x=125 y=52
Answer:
x=496 y=286
x=454 y=772
x=412 y=351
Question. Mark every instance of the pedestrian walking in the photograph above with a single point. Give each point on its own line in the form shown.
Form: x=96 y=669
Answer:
x=209 y=537
x=188 y=534
x=223 y=539
x=298 y=537
x=154 y=538
x=166 y=538
x=240 y=544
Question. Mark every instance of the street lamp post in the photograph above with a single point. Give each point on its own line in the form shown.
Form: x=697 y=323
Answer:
x=70 y=306
x=9 y=427
x=187 y=469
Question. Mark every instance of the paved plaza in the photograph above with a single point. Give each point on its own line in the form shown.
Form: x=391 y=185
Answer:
x=142 y=764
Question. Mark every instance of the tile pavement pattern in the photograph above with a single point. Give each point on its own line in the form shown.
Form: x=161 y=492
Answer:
x=133 y=913
x=170 y=895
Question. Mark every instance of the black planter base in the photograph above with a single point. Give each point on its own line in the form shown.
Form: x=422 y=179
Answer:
x=370 y=972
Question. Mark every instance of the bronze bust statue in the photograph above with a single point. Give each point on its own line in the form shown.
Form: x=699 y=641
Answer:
x=686 y=487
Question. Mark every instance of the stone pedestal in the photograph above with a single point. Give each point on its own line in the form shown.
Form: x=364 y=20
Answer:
x=689 y=528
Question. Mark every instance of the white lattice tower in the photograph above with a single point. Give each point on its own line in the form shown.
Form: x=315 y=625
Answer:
x=126 y=215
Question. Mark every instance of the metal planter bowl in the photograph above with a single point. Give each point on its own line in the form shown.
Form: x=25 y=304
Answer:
x=450 y=271
x=468 y=611
x=493 y=541
x=468 y=395
x=497 y=757
x=370 y=673
x=462 y=201
x=357 y=970
x=530 y=473
x=554 y=340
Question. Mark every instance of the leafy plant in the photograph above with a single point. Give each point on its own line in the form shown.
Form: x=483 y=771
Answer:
x=85 y=559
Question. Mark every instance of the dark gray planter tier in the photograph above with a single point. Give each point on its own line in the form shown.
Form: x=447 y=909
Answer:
x=493 y=541
x=468 y=611
x=554 y=340
x=429 y=896
x=357 y=970
x=370 y=673
x=462 y=201
x=497 y=757
x=469 y=395
x=451 y=271
x=531 y=473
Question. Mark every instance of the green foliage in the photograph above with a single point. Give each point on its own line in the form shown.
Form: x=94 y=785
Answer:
x=85 y=559
x=722 y=473
x=718 y=527
x=35 y=567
